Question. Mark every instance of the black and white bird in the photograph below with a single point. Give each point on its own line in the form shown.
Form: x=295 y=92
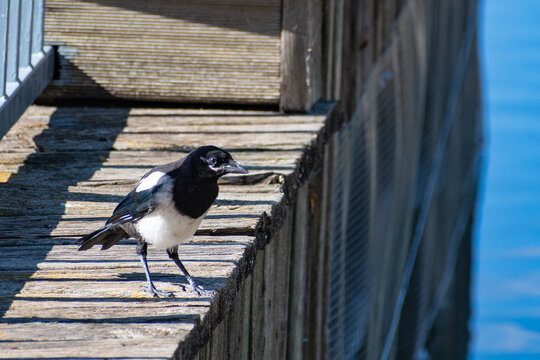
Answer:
x=166 y=208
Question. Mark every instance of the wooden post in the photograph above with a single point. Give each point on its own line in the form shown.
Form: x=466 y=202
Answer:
x=301 y=54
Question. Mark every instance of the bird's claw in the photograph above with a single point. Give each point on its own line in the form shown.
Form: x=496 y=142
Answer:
x=158 y=293
x=203 y=292
x=198 y=289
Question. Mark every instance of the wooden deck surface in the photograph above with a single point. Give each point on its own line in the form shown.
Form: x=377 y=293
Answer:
x=161 y=50
x=62 y=171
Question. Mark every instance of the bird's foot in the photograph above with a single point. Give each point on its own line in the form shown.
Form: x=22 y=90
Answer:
x=198 y=289
x=157 y=293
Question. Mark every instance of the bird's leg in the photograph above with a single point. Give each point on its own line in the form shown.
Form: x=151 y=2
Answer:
x=173 y=254
x=141 y=251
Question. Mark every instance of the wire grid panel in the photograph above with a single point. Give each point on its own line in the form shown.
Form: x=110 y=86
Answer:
x=387 y=252
x=336 y=306
x=455 y=198
x=349 y=287
x=384 y=310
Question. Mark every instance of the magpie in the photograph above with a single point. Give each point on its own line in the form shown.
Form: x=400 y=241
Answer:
x=166 y=207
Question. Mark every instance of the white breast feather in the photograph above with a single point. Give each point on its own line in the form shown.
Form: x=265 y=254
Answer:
x=164 y=227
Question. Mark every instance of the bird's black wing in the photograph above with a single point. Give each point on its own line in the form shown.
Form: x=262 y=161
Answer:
x=134 y=206
x=137 y=204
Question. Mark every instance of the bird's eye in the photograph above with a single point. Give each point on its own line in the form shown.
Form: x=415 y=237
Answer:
x=212 y=161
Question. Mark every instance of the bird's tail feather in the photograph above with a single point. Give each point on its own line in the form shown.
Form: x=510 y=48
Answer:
x=106 y=237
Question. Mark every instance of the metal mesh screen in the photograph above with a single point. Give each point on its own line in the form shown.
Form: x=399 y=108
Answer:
x=403 y=191
x=350 y=232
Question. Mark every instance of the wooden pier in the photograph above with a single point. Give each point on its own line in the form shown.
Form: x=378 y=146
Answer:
x=360 y=124
x=62 y=172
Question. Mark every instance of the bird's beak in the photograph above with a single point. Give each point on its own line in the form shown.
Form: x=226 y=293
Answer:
x=232 y=167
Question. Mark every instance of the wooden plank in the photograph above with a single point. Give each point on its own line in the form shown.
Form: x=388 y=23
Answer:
x=282 y=252
x=101 y=130
x=323 y=271
x=301 y=58
x=338 y=49
x=219 y=338
x=299 y=278
x=259 y=316
x=316 y=254
x=328 y=46
x=367 y=39
x=158 y=348
x=269 y=301
x=237 y=319
x=246 y=294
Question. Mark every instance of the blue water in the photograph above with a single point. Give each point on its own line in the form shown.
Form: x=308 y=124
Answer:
x=506 y=322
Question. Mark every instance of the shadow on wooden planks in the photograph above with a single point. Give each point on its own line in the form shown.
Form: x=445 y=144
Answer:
x=40 y=188
x=247 y=15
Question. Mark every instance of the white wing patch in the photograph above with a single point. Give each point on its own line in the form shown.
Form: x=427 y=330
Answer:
x=150 y=181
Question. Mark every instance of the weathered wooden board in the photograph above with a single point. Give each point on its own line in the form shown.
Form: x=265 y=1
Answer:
x=62 y=171
x=203 y=51
x=301 y=37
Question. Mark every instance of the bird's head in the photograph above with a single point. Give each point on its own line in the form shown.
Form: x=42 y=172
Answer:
x=214 y=161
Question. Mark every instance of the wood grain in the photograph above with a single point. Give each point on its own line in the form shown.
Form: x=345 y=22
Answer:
x=301 y=62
